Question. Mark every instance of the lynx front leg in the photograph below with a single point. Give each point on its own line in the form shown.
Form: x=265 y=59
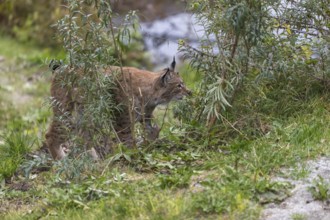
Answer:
x=87 y=137
x=123 y=129
x=125 y=135
x=55 y=137
x=151 y=130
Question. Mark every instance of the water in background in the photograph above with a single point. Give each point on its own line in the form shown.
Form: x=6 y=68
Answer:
x=161 y=36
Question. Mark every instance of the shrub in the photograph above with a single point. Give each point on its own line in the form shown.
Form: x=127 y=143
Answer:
x=255 y=58
x=93 y=43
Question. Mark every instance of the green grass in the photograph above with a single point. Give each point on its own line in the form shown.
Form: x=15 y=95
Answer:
x=11 y=49
x=16 y=143
x=213 y=184
x=181 y=177
x=23 y=113
x=298 y=216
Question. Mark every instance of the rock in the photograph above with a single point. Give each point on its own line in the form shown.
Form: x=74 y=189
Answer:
x=301 y=203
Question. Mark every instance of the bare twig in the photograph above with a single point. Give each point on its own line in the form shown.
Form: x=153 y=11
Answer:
x=198 y=51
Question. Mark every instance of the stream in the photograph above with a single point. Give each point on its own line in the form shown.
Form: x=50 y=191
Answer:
x=161 y=36
x=162 y=24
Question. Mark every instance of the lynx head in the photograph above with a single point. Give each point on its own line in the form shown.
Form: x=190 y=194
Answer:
x=171 y=85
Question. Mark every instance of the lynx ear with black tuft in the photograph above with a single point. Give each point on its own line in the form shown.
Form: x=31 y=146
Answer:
x=172 y=68
x=165 y=77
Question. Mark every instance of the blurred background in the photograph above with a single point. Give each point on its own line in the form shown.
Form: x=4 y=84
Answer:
x=161 y=23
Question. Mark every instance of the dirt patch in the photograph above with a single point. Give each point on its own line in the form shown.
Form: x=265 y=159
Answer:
x=301 y=205
x=13 y=205
x=21 y=186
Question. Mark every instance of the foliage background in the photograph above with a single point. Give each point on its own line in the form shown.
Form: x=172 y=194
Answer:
x=31 y=20
x=261 y=103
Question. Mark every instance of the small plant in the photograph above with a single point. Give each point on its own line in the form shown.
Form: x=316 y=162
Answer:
x=298 y=216
x=39 y=162
x=272 y=192
x=16 y=143
x=75 y=169
x=179 y=179
x=320 y=189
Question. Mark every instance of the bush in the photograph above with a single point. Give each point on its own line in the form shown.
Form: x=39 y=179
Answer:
x=257 y=60
x=92 y=43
